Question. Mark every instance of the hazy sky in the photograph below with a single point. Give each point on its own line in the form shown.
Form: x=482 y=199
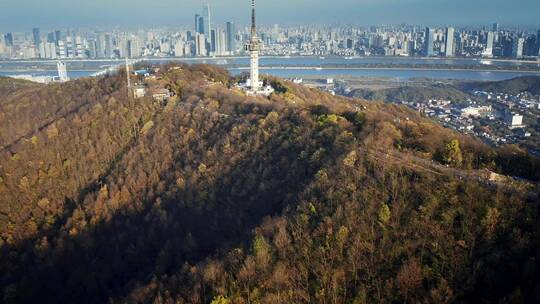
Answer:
x=25 y=14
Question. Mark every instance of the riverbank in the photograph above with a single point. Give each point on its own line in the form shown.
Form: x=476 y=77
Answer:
x=388 y=68
x=442 y=59
x=400 y=68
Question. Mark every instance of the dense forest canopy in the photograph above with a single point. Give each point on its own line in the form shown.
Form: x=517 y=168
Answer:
x=216 y=197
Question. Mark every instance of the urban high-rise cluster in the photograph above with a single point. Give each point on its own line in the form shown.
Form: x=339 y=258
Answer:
x=203 y=40
x=206 y=38
x=475 y=43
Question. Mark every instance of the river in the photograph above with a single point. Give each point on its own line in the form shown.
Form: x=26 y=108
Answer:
x=475 y=69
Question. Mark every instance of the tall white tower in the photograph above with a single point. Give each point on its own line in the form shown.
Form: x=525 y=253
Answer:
x=254 y=47
x=62 y=71
x=128 y=78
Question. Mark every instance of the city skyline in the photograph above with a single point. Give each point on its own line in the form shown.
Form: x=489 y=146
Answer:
x=208 y=37
x=123 y=13
x=224 y=39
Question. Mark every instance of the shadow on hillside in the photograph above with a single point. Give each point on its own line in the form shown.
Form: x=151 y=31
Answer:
x=110 y=259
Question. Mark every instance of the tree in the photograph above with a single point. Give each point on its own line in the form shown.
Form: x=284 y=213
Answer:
x=384 y=214
x=220 y=300
x=409 y=278
x=452 y=154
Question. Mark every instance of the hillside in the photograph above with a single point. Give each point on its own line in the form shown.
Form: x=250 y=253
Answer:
x=10 y=85
x=458 y=93
x=413 y=94
x=513 y=86
x=216 y=197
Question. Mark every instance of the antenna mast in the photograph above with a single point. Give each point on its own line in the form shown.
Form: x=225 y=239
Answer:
x=253 y=24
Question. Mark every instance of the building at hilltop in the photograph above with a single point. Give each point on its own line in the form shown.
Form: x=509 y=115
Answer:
x=253 y=85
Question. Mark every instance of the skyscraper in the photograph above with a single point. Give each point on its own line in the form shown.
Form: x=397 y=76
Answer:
x=231 y=39
x=100 y=45
x=122 y=47
x=108 y=46
x=79 y=47
x=61 y=49
x=199 y=24
x=47 y=50
x=37 y=37
x=134 y=47
x=200 y=45
x=221 y=42
x=349 y=43
x=179 y=49
x=188 y=49
x=8 y=39
x=429 y=41
x=538 y=42
x=449 y=42
x=57 y=36
x=207 y=24
x=70 y=50
x=495 y=27
x=92 y=49
x=212 y=42
x=517 y=49
x=50 y=37
x=489 y=45
x=529 y=47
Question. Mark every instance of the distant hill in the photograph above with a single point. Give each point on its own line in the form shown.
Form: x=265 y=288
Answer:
x=413 y=94
x=530 y=84
x=218 y=197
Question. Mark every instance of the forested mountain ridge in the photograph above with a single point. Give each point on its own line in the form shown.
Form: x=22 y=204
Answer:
x=514 y=86
x=458 y=92
x=413 y=94
x=299 y=198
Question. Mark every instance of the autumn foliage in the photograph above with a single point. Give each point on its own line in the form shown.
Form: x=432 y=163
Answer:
x=216 y=197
